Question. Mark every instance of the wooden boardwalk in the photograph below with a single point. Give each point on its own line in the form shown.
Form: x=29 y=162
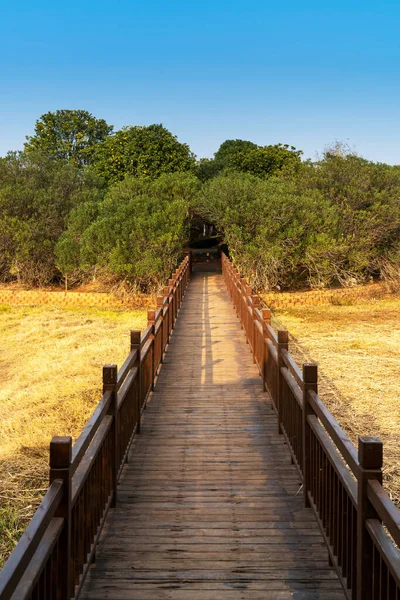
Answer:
x=209 y=505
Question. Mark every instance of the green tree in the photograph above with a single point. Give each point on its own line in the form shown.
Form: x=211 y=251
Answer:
x=230 y=148
x=142 y=152
x=223 y=159
x=136 y=233
x=37 y=195
x=68 y=135
x=264 y=161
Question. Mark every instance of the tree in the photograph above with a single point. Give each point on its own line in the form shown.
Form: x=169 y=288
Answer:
x=68 y=135
x=230 y=148
x=142 y=152
x=207 y=168
x=264 y=161
x=136 y=233
x=37 y=195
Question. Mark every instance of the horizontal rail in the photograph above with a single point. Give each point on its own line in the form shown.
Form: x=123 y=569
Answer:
x=293 y=385
x=341 y=484
x=337 y=434
x=385 y=509
x=62 y=535
x=386 y=550
x=126 y=367
x=83 y=470
x=334 y=457
x=89 y=431
x=124 y=389
x=146 y=334
x=30 y=540
x=293 y=368
x=38 y=564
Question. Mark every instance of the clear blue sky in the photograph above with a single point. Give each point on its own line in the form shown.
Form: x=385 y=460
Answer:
x=298 y=72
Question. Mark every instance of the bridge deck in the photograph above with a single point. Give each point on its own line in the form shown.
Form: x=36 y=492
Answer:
x=208 y=505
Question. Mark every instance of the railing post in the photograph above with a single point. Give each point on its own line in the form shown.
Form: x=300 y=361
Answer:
x=176 y=295
x=248 y=329
x=151 y=319
x=160 y=307
x=60 y=468
x=135 y=345
x=283 y=344
x=236 y=294
x=110 y=384
x=166 y=295
x=370 y=457
x=178 y=288
x=266 y=314
x=171 y=293
x=310 y=383
x=255 y=304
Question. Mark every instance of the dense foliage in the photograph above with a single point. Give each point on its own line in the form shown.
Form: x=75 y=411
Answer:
x=37 y=195
x=68 y=134
x=82 y=201
x=136 y=233
x=332 y=222
x=142 y=152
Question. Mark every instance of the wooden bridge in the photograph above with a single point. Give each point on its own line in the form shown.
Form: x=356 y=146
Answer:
x=213 y=499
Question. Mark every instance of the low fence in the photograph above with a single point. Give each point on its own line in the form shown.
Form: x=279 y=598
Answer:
x=342 y=484
x=62 y=299
x=53 y=556
x=335 y=296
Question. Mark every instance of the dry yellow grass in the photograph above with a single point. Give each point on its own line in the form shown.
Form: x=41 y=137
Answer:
x=50 y=381
x=358 y=351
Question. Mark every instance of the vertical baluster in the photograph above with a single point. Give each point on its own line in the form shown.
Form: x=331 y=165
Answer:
x=172 y=304
x=266 y=314
x=255 y=300
x=370 y=455
x=110 y=384
x=151 y=315
x=60 y=468
x=310 y=383
x=283 y=344
x=136 y=345
x=167 y=317
x=160 y=307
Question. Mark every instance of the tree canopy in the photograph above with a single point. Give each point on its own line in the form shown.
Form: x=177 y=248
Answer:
x=68 y=135
x=82 y=201
x=142 y=152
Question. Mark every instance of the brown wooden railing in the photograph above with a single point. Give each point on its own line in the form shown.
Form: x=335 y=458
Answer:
x=53 y=556
x=343 y=485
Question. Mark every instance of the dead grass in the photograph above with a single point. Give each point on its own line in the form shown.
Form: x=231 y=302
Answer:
x=358 y=351
x=50 y=381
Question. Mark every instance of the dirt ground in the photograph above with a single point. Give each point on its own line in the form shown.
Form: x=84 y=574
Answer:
x=358 y=351
x=50 y=373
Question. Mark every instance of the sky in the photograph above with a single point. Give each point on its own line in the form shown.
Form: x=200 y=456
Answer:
x=296 y=72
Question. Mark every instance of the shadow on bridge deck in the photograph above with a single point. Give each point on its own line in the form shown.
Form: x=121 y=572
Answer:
x=209 y=504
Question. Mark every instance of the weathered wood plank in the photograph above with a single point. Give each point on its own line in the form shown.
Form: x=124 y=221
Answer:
x=209 y=502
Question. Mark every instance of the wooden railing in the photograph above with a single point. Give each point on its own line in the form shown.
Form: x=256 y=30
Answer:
x=53 y=556
x=343 y=485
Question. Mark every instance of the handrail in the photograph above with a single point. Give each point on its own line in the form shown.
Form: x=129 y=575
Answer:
x=65 y=528
x=343 y=443
x=385 y=509
x=24 y=551
x=341 y=484
x=89 y=431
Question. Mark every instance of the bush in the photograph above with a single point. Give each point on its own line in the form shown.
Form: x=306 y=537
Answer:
x=136 y=233
x=36 y=197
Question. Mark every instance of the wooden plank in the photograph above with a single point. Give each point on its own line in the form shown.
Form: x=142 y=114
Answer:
x=209 y=502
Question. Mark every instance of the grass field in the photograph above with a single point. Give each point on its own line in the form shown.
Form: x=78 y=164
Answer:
x=358 y=351
x=50 y=380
